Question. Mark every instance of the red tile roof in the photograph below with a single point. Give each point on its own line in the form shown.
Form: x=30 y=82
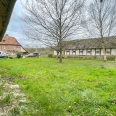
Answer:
x=8 y=40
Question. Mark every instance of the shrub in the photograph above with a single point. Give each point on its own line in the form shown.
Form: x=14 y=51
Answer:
x=50 y=55
x=18 y=55
x=83 y=57
x=54 y=56
x=111 y=58
x=10 y=57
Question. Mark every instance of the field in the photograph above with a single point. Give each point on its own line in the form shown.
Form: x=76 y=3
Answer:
x=74 y=88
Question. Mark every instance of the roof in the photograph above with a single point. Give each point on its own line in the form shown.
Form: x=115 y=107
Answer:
x=8 y=40
x=91 y=43
x=36 y=52
x=6 y=7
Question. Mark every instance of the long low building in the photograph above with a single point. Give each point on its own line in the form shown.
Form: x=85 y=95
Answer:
x=89 y=47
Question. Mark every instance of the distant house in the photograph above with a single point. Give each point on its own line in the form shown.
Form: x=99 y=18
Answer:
x=11 y=46
x=89 y=47
x=36 y=53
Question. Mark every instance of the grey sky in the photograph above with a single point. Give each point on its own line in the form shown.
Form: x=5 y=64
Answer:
x=15 y=25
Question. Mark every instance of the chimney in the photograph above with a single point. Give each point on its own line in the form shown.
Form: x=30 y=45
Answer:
x=6 y=36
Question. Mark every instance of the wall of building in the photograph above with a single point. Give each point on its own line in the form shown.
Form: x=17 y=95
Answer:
x=10 y=49
x=85 y=52
x=55 y=53
x=113 y=52
x=93 y=52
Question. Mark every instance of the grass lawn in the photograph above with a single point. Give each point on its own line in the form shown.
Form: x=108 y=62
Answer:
x=74 y=88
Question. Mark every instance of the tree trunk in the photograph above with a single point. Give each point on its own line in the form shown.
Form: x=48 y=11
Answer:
x=57 y=55
x=60 y=60
x=104 y=52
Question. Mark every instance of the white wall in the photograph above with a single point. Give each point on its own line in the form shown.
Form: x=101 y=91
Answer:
x=65 y=52
x=93 y=52
x=68 y=53
x=55 y=53
x=77 y=52
x=71 y=52
x=84 y=52
x=102 y=53
x=108 y=51
x=113 y=52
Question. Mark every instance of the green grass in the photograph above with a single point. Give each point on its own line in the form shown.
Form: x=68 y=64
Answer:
x=5 y=100
x=74 y=88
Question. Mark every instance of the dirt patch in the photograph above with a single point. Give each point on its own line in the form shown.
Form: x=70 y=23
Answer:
x=12 y=100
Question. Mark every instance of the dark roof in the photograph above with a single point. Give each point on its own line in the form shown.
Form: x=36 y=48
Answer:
x=6 y=7
x=91 y=43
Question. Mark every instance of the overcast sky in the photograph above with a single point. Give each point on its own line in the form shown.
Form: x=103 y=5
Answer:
x=15 y=25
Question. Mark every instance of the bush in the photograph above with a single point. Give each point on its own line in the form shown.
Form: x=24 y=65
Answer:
x=10 y=57
x=50 y=55
x=83 y=57
x=18 y=55
x=111 y=58
x=54 y=56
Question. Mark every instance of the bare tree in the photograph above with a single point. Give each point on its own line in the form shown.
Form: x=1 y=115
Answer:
x=52 y=21
x=102 y=21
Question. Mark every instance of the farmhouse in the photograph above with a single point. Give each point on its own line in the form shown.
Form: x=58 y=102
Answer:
x=89 y=47
x=11 y=46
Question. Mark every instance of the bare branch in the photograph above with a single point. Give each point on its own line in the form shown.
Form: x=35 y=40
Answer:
x=52 y=22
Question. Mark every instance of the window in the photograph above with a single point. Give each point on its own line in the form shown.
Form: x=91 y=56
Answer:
x=3 y=41
x=97 y=51
x=81 y=51
x=88 y=51
x=74 y=51
x=14 y=47
x=108 y=51
x=4 y=47
x=67 y=51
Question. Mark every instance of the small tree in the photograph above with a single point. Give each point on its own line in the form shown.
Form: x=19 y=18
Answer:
x=101 y=21
x=52 y=21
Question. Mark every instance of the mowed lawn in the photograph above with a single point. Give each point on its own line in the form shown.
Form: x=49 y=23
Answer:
x=74 y=88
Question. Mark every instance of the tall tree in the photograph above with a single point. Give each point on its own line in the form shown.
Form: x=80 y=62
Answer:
x=102 y=21
x=52 y=21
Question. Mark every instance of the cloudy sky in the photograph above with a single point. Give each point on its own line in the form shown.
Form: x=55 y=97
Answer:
x=15 y=25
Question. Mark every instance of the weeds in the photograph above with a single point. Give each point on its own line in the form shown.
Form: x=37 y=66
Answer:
x=5 y=100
